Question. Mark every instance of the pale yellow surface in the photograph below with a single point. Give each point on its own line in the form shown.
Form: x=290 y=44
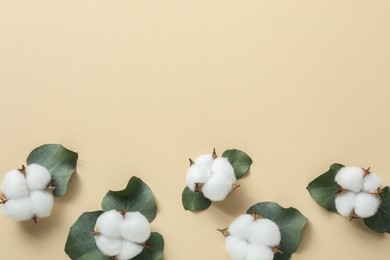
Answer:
x=137 y=87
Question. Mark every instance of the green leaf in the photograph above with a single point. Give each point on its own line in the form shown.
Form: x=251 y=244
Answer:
x=155 y=248
x=81 y=243
x=290 y=222
x=239 y=160
x=137 y=196
x=380 y=222
x=324 y=189
x=59 y=161
x=194 y=201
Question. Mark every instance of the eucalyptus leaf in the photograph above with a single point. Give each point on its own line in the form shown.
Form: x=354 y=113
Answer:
x=380 y=222
x=239 y=160
x=137 y=196
x=194 y=201
x=154 y=249
x=59 y=161
x=81 y=243
x=290 y=222
x=324 y=189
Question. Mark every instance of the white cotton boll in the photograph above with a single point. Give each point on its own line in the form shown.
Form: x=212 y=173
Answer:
x=129 y=250
x=217 y=188
x=109 y=246
x=372 y=182
x=350 y=178
x=264 y=232
x=239 y=227
x=366 y=205
x=259 y=252
x=42 y=203
x=205 y=160
x=135 y=227
x=14 y=185
x=37 y=176
x=196 y=174
x=109 y=223
x=222 y=167
x=18 y=209
x=345 y=202
x=236 y=248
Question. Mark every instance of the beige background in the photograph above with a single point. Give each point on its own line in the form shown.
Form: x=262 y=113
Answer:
x=137 y=87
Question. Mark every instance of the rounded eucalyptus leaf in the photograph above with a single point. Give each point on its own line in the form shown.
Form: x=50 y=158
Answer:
x=59 y=161
x=324 y=188
x=239 y=160
x=380 y=222
x=81 y=243
x=194 y=201
x=154 y=248
x=290 y=222
x=137 y=196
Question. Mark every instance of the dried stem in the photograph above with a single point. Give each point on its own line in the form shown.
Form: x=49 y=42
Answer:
x=224 y=231
x=353 y=215
x=3 y=198
x=191 y=161
x=276 y=250
x=367 y=171
x=215 y=156
x=95 y=232
x=23 y=170
x=235 y=186
x=50 y=187
x=35 y=219
x=198 y=187
x=255 y=215
x=341 y=189
x=144 y=245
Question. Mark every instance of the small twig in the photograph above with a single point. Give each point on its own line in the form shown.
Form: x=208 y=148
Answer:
x=35 y=219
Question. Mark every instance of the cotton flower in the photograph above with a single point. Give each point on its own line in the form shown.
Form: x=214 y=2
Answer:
x=120 y=234
x=358 y=196
x=25 y=193
x=213 y=176
x=248 y=238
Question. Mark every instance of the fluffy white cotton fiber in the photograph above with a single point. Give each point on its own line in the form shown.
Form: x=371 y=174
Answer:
x=14 y=185
x=37 y=177
x=345 y=203
x=109 y=224
x=18 y=209
x=350 y=178
x=135 y=227
x=366 y=204
x=42 y=203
